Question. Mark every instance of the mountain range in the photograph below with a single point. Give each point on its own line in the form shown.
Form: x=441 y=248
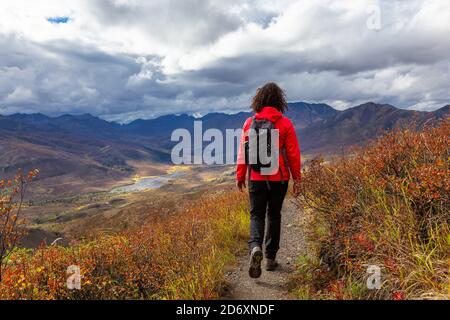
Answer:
x=90 y=150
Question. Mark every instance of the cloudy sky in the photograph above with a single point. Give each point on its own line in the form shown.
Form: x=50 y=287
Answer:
x=127 y=59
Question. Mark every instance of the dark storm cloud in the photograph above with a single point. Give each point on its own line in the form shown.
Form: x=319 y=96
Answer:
x=187 y=22
x=61 y=76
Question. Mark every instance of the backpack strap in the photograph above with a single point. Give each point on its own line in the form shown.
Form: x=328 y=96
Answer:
x=249 y=167
x=286 y=164
x=284 y=154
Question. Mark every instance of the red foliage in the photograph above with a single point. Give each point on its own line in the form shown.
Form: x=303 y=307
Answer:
x=398 y=295
x=387 y=205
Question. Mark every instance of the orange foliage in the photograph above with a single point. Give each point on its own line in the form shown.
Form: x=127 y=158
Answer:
x=386 y=205
x=181 y=257
x=12 y=193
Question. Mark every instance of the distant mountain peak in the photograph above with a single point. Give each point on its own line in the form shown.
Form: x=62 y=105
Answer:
x=29 y=116
x=311 y=106
x=84 y=116
x=369 y=105
x=444 y=111
x=87 y=116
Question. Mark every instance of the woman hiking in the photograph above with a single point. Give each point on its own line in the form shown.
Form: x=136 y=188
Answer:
x=267 y=191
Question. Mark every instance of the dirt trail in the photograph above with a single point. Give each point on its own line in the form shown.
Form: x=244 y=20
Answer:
x=271 y=285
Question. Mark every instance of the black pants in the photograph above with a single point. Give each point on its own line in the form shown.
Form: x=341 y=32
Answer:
x=264 y=199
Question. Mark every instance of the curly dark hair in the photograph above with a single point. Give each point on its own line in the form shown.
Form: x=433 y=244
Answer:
x=270 y=95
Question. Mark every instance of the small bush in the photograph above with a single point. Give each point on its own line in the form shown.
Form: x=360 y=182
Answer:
x=386 y=205
x=12 y=195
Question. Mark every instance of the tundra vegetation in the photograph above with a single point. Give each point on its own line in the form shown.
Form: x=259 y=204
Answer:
x=12 y=195
x=387 y=205
x=179 y=258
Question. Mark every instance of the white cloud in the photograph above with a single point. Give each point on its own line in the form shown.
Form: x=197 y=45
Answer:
x=130 y=58
x=20 y=95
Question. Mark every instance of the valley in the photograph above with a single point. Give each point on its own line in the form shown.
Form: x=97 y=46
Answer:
x=122 y=205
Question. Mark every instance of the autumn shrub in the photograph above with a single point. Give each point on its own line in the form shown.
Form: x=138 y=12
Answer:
x=179 y=258
x=385 y=205
x=12 y=196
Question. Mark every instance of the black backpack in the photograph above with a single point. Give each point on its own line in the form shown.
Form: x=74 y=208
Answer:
x=263 y=129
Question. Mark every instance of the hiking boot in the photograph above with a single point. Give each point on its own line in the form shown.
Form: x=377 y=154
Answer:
x=271 y=264
x=256 y=256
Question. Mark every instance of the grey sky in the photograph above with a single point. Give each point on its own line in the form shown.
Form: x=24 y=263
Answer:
x=125 y=59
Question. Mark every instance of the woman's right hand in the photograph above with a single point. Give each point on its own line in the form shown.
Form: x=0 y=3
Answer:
x=296 y=188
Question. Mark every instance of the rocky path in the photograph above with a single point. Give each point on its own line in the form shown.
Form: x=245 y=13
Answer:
x=271 y=285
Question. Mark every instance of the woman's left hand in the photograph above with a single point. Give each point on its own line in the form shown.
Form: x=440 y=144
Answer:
x=241 y=185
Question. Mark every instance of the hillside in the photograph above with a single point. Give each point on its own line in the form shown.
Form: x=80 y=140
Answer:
x=387 y=207
x=72 y=152
x=360 y=124
x=180 y=257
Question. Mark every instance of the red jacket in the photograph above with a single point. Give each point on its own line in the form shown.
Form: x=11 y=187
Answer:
x=288 y=140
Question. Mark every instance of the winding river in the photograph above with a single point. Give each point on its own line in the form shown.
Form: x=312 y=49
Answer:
x=147 y=183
